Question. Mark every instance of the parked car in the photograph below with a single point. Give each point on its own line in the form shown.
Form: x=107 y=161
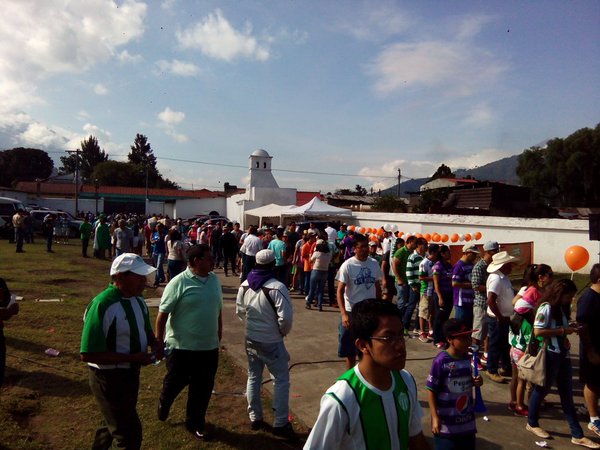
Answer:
x=214 y=220
x=73 y=223
x=8 y=208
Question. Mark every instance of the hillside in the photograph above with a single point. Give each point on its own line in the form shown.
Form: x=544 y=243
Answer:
x=503 y=170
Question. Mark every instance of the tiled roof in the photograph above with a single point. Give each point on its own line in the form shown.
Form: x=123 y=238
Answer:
x=303 y=197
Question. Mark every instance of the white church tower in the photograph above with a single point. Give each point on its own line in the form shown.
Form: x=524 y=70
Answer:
x=261 y=189
x=260 y=171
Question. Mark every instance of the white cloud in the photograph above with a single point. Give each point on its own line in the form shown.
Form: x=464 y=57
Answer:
x=83 y=115
x=126 y=57
x=40 y=135
x=96 y=131
x=179 y=68
x=458 y=68
x=60 y=36
x=170 y=117
x=480 y=114
x=100 y=89
x=375 y=22
x=481 y=158
x=468 y=27
x=216 y=38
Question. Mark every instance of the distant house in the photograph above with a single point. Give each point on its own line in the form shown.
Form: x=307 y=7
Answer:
x=353 y=202
x=439 y=183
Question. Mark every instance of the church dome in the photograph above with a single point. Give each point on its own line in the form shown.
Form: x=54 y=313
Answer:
x=260 y=152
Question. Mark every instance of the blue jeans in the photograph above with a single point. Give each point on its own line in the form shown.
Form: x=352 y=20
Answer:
x=306 y=281
x=558 y=370
x=175 y=267
x=317 y=287
x=402 y=302
x=276 y=358
x=413 y=301
x=498 y=346
x=464 y=313
x=158 y=263
x=461 y=442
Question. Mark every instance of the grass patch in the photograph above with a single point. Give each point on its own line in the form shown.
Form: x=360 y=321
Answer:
x=46 y=403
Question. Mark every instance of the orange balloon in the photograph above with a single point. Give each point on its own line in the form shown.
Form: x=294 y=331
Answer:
x=362 y=230
x=576 y=257
x=351 y=227
x=400 y=233
x=427 y=236
x=419 y=235
x=374 y=238
x=478 y=235
x=454 y=237
x=445 y=238
x=467 y=237
x=380 y=232
x=436 y=237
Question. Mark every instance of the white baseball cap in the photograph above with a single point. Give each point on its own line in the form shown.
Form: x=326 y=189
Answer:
x=130 y=262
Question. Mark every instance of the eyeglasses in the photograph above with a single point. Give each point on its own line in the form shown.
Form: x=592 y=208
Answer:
x=389 y=339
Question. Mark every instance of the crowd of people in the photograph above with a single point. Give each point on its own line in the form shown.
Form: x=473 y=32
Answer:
x=387 y=288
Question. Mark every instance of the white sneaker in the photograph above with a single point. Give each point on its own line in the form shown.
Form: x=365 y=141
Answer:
x=585 y=442
x=539 y=432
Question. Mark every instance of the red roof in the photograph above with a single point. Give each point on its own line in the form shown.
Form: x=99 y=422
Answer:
x=305 y=197
x=69 y=189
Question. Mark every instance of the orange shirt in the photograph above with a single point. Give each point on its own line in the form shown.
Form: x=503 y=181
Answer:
x=307 y=251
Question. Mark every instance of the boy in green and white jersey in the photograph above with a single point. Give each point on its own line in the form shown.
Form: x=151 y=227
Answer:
x=373 y=405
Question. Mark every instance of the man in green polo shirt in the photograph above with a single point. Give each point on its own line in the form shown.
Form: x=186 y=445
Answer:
x=189 y=323
x=114 y=343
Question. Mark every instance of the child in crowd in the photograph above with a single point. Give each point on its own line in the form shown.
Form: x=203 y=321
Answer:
x=450 y=391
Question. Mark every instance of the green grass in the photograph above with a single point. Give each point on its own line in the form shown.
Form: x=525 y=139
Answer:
x=45 y=402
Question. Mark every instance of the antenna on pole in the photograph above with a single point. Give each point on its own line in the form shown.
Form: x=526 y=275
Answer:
x=399 y=180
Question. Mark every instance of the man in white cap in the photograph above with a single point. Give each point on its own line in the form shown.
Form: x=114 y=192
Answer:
x=264 y=304
x=499 y=299
x=479 y=277
x=115 y=340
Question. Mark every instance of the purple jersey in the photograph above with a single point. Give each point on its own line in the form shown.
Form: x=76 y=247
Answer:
x=461 y=272
x=451 y=381
x=444 y=270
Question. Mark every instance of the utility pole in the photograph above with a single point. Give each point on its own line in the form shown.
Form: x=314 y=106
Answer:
x=77 y=152
x=399 y=180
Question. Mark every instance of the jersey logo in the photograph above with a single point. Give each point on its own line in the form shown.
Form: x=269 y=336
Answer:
x=403 y=401
x=462 y=403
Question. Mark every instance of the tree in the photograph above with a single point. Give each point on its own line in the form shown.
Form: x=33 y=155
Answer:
x=117 y=173
x=142 y=157
x=24 y=164
x=442 y=172
x=360 y=190
x=90 y=156
x=431 y=199
x=389 y=203
x=565 y=172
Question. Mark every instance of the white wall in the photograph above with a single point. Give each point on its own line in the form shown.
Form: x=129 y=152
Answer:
x=551 y=237
x=186 y=208
x=68 y=204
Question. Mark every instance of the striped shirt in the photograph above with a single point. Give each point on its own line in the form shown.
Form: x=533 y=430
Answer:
x=451 y=380
x=112 y=323
x=412 y=269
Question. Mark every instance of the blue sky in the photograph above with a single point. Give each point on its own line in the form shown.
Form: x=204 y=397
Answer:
x=350 y=87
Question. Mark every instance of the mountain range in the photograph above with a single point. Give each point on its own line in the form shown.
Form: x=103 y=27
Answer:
x=504 y=170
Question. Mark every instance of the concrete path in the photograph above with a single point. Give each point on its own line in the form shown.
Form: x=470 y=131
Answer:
x=312 y=345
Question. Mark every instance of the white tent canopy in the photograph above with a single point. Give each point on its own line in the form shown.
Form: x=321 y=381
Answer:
x=270 y=210
x=316 y=208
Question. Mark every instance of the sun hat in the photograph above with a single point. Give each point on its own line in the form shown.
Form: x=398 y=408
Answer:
x=265 y=257
x=470 y=248
x=498 y=260
x=130 y=262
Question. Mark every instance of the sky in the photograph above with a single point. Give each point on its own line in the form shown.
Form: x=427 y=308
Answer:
x=338 y=92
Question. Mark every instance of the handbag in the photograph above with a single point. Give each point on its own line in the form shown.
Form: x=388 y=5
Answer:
x=532 y=366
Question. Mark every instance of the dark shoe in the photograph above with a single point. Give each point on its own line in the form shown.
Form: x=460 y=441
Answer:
x=505 y=372
x=256 y=425
x=286 y=431
x=320 y=309
x=162 y=412
x=201 y=435
x=307 y=306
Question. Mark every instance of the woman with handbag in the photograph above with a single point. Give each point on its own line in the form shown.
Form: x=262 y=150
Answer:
x=552 y=325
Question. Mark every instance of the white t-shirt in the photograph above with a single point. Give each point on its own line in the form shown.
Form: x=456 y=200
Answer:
x=499 y=284
x=360 y=278
x=337 y=428
x=252 y=245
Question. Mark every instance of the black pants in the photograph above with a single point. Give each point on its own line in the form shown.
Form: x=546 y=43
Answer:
x=229 y=257
x=441 y=315
x=248 y=263
x=196 y=369
x=116 y=393
x=84 y=246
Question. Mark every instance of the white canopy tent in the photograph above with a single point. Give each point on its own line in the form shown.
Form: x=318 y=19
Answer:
x=316 y=208
x=270 y=210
